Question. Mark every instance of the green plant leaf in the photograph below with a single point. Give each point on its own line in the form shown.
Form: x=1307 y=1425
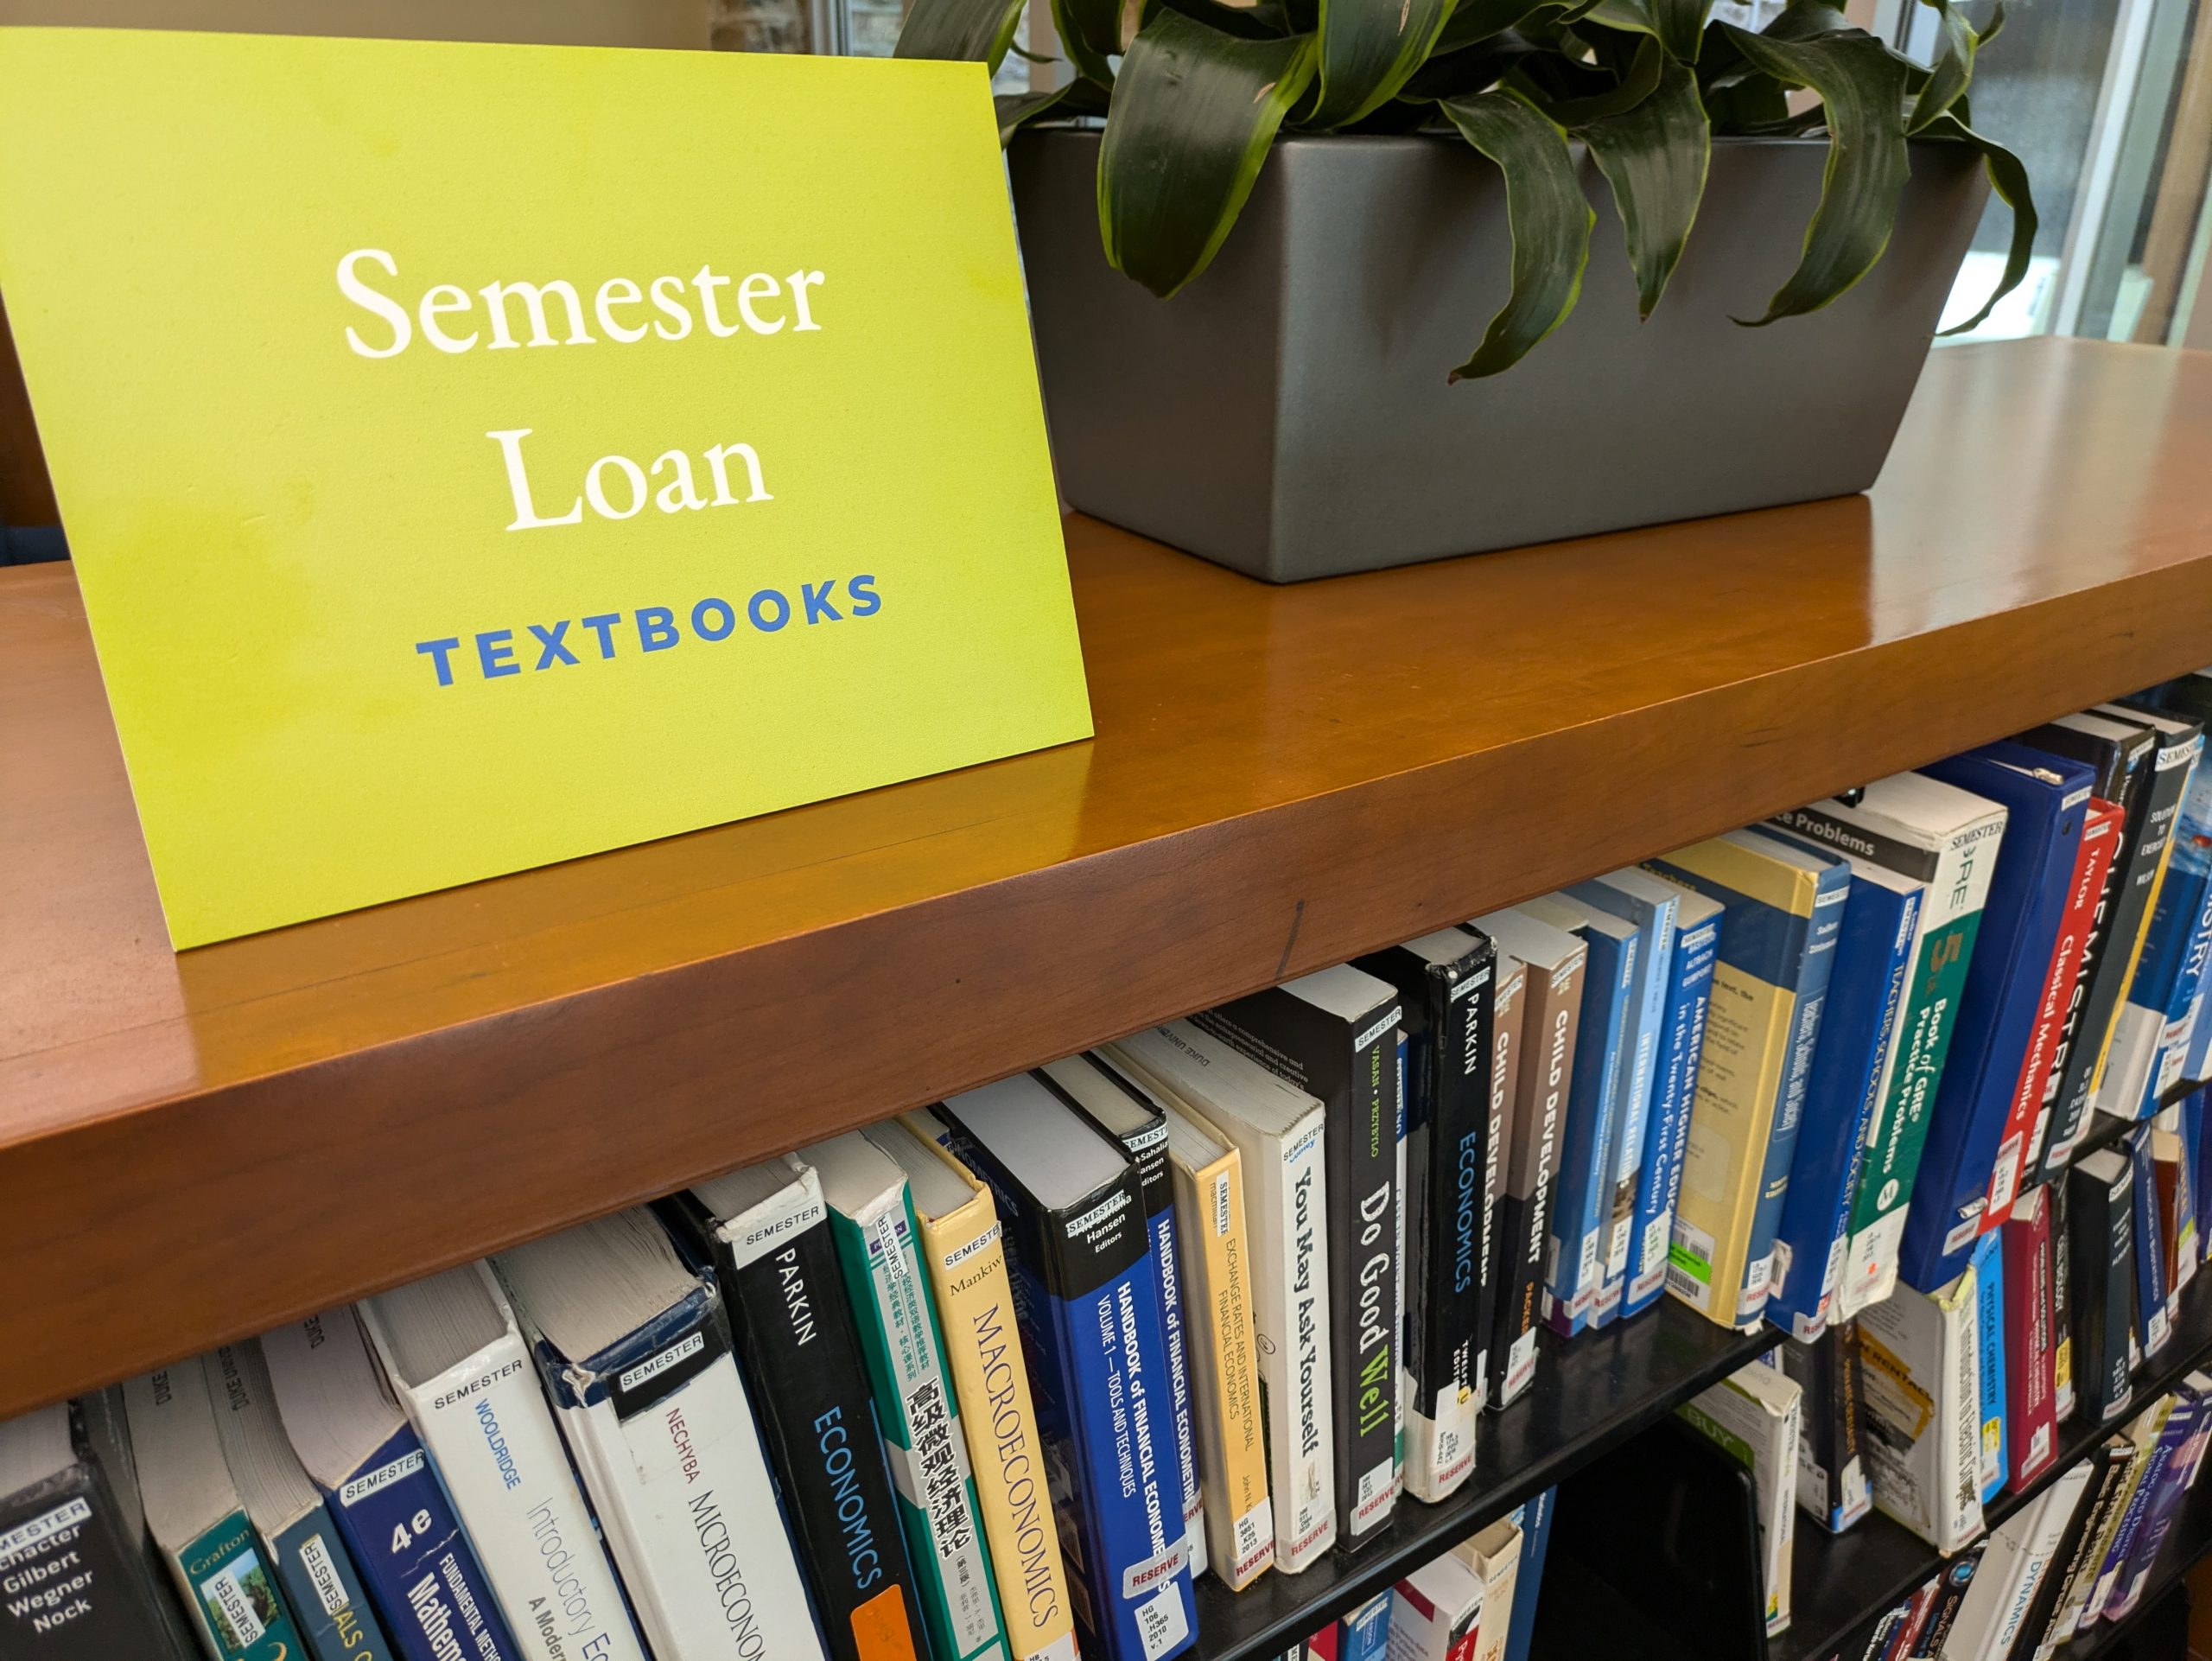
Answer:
x=1016 y=110
x=1475 y=21
x=1625 y=93
x=1090 y=34
x=1367 y=50
x=1192 y=116
x=973 y=31
x=2009 y=179
x=1550 y=219
x=1678 y=25
x=1950 y=71
x=1246 y=23
x=1861 y=84
x=1457 y=74
x=1654 y=156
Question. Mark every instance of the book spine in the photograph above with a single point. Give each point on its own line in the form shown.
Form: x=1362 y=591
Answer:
x=2134 y=1026
x=1582 y=1195
x=2102 y=1229
x=1363 y=1283
x=2152 y=1325
x=2158 y=1515
x=1364 y=1632
x=1646 y=1030
x=2066 y=1589
x=324 y=1594
x=1660 y=1184
x=224 y=1573
x=2189 y=876
x=2032 y=1428
x=1505 y=1274
x=2053 y=1518
x=1551 y=1006
x=1147 y=1151
x=422 y=1575
x=1535 y=1521
x=914 y=1410
x=2160 y=1444
x=1291 y=1325
x=72 y=1587
x=1989 y=1338
x=1215 y=1260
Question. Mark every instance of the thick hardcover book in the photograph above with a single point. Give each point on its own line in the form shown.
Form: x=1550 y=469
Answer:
x=2065 y=1589
x=2158 y=1432
x=417 y=1565
x=2019 y=1558
x=1988 y=1264
x=1832 y=1480
x=1508 y=998
x=2159 y=1017
x=1582 y=1192
x=964 y=1254
x=1454 y=1132
x=766 y=1232
x=1920 y=1364
x=1334 y=1034
x=630 y=1338
x=2121 y=754
x=1654 y=906
x=313 y=1568
x=1851 y=1065
x=1277 y=1130
x=1784 y=913
x=450 y=1347
x=2153 y=1318
x=2046 y=799
x=2101 y=1201
x=2031 y=1347
x=1215 y=1263
x=78 y=1583
x=1538 y=1052
x=873 y=1227
x=1756 y=1417
x=1130 y=1113
x=220 y=1564
x=1080 y=1249
x=1682 y=1045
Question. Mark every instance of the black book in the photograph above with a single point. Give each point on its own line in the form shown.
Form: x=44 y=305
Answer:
x=2121 y=755
x=1335 y=1036
x=767 y=1234
x=79 y=1582
x=1454 y=1136
x=2101 y=1203
x=1832 y=1486
x=1958 y=1576
x=2152 y=1329
x=2084 y=1535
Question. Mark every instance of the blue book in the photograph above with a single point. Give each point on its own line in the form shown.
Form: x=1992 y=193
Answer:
x=1987 y=1261
x=1536 y=1539
x=1087 y=1299
x=2046 y=798
x=1364 y=1633
x=2153 y=1322
x=1582 y=1190
x=1652 y=905
x=1681 y=1044
x=1851 y=1069
x=381 y=1493
x=2169 y=980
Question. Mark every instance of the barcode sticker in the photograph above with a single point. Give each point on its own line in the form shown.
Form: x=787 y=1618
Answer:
x=2005 y=1180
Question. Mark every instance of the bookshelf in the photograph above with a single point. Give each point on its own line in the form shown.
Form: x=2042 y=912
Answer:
x=195 y=1148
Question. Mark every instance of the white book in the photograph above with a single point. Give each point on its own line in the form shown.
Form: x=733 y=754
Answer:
x=2013 y=1565
x=1495 y=1555
x=1920 y=1374
x=450 y=1347
x=1757 y=1415
x=1435 y=1610
x=638 y=1358
x=1276 y=1129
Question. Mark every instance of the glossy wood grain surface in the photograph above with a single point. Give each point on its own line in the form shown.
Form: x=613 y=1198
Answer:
x=196 y=1147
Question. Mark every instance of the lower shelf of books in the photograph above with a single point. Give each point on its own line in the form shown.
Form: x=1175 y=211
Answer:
x=2189 y=1545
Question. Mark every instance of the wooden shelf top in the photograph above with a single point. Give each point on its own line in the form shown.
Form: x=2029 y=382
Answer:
x=195 y=1147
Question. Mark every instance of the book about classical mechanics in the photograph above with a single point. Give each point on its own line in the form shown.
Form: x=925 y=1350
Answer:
x=1756 y=1416
x=1334 y=1034
x=2031 y=1338
x=1215 y=1260
x=219 y=1563
x=1454 y=1127
x=1832 y=1482
x=1946 y=839
x=1850 y=1066
x=314 y=1571
x=2101 y=1203
x=79 y=1581
x=1079 y=1247
x=1681 y=1044
x=455 y=1356
x=1582 y=1190
x=1920 y=1365
x=2120 y=754
x=1653 y=906
x=1988 y=1265
x=1436 y=1612
x=1123 y=1107
x=1278 y=1132
x=1536 y=1051
x=633 y=1348
x=766 y=1230
x=964 y=1254
x=2046 y=799
x=872 y=1225
x=1783 y=904
x=415 y=1560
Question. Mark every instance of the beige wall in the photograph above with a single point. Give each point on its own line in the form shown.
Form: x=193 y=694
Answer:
x=566 y=23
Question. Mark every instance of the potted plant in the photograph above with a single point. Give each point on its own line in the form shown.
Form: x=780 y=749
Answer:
x=1336 y=193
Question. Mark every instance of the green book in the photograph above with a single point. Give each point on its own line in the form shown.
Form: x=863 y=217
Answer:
x=1948 y=839
x=872 y=1221
x=194 y=1513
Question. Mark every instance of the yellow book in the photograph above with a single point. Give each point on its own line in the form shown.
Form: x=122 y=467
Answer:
x=965 y=1259
x=1216 y=1267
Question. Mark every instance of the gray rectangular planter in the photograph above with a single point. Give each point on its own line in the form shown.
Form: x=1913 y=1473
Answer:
x=1287 y=413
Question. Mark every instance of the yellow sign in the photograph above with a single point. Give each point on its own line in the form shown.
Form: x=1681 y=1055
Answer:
x=478 y=456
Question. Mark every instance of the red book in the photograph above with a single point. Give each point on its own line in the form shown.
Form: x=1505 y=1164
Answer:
x=2029 y=1121
x=2031 y=1339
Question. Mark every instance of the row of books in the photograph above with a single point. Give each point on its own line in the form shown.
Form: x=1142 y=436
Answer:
x=2083 y=1550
